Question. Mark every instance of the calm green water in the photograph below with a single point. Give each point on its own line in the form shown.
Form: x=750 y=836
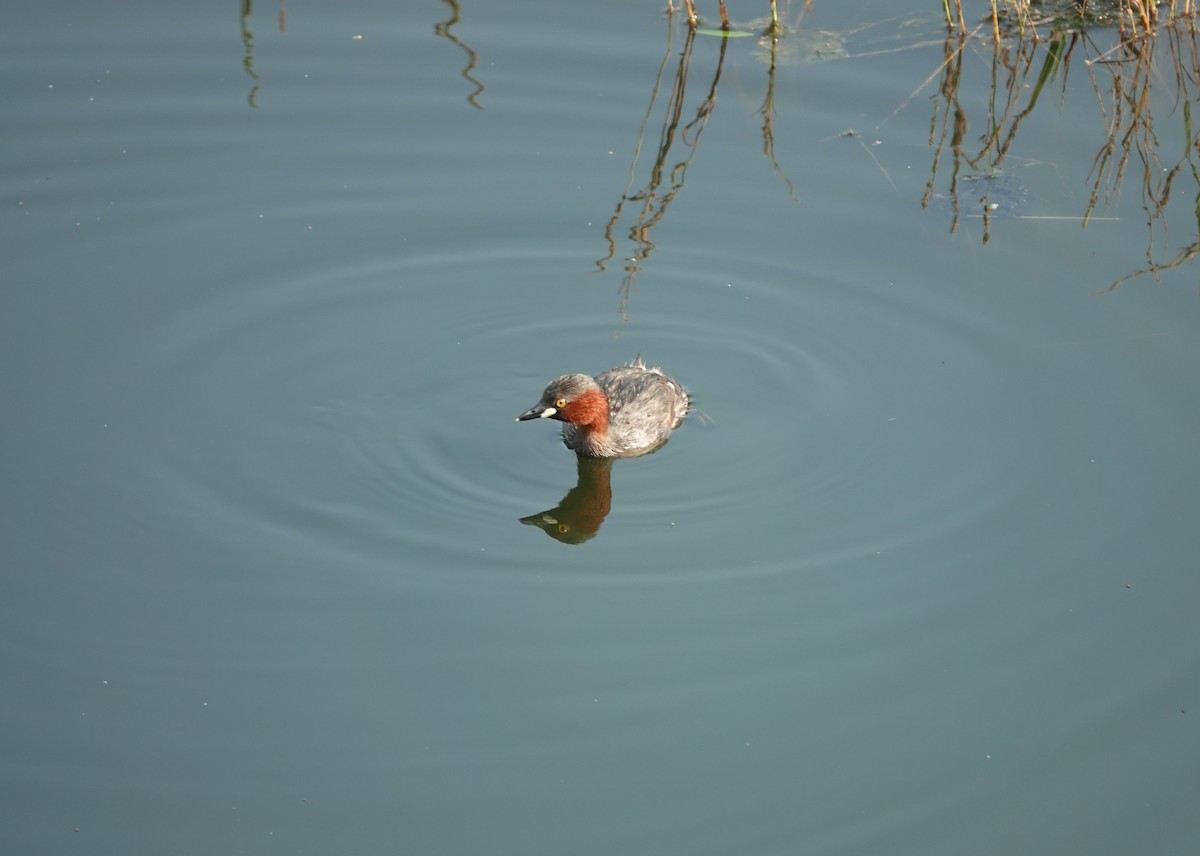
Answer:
x=919 y=577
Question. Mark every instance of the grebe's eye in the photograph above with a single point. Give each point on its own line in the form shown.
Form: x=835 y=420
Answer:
x=560 y=403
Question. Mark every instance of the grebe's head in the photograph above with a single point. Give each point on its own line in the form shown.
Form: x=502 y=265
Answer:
x=572 y=398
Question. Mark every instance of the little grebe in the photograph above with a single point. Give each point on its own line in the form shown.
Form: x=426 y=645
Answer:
x=621 y=413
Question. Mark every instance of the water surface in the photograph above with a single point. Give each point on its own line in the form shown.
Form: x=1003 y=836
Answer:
x=918 y=578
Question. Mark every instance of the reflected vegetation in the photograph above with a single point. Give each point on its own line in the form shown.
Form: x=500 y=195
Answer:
x=1124 y=47
x=247 y=11
x=1120 y=49
x=578 y=516
x=248 y=50
x=443 y=29
x=1031 y=56
x=977 y=185
x=678 y=135
x=1122 y=78
x=651 y=200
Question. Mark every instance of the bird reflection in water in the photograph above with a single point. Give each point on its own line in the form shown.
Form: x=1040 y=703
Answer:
x=578 y=516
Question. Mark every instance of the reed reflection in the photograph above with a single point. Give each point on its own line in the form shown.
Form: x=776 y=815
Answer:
x=1027 y=57
x=443 y=29
x=247 y=11
x=245 y=14
x=678 y=137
